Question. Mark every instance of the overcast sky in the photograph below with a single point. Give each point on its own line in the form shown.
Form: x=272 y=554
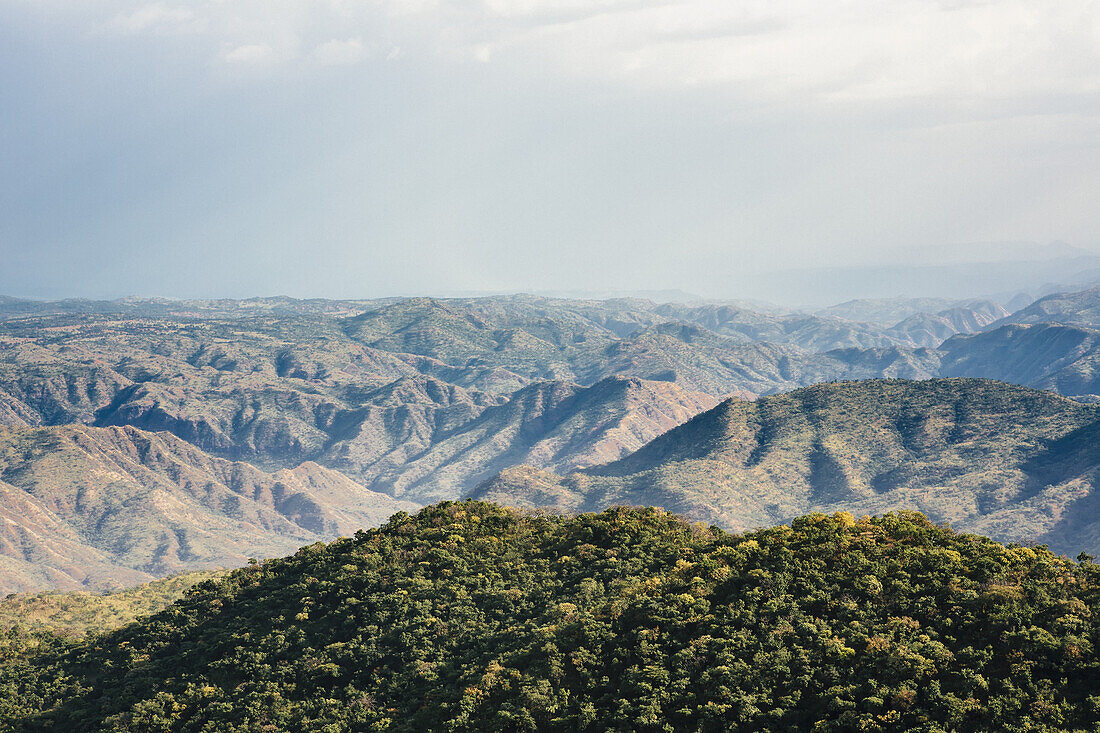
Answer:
x=353 y=148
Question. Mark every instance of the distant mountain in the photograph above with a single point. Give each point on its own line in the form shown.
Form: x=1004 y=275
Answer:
x=807 y=331
x=920 y=322
x=260 y=389
x=281 y=393
x=166 y=307
x=718 y=349
x=281 y=390
x=421 y=399
x=547 y=339
x=932 y=329
x=887 y=311
x=701 y=360
x=557 y=425
x=1065 y=359
x=276 y=391
x=96 y=507
x=657 y=296
x=1080 y=308
x=1015 y=463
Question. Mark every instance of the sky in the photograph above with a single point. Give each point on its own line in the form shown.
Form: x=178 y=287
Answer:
x=363 y=148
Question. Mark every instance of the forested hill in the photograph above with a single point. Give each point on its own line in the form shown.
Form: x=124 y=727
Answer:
x=472 y=617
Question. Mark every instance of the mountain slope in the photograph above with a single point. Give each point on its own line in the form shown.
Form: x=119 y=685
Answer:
x=469 y=617
x=807 y=331
x=39 y=550
x=887 y=311
x=399 y=422
x=703 y=361
x=826 y=332
x=1065 y=359
x=493 y=382
x=931 y=329
x=99 y=506
x=280 y=391
x=1081 y=308
x=76 y=613
x=123 y=502
x=975 y=453
x=557 y=425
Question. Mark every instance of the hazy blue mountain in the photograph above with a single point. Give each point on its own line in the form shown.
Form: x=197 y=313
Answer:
x=932 y=329
x=1080 y=308
x=887 y=311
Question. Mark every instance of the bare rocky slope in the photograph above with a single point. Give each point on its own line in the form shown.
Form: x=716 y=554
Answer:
x=94 y=507
x=556 y=425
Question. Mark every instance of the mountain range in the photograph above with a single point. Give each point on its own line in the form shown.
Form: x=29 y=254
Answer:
x=146 y=437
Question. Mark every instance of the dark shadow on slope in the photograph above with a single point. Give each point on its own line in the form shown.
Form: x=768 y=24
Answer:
x=1063 y=459
x=1065 y=537
x=828 y=481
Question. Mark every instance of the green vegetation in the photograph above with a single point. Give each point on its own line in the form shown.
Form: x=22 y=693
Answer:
x=472 y=617
x=77 y=613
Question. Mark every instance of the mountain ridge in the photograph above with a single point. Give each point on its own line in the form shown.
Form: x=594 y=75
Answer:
x=976 y=453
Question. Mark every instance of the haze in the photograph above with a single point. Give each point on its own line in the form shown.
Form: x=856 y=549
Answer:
x=356 y=149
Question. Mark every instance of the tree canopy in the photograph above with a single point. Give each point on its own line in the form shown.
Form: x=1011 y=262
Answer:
x=469 y=616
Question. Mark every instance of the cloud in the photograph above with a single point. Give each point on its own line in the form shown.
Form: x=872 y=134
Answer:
x=250 y=54
x=155 y=17
x=543 y=132
x=339 y=52
x=483 y=53
x=759 y=50
x=860 y=50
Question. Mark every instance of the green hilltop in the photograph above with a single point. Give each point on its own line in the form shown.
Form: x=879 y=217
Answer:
x=472 y=617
